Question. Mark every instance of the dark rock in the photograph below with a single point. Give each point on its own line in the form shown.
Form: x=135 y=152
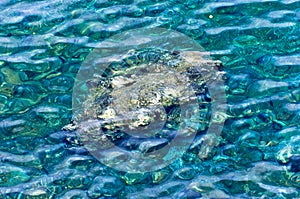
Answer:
x=294 y=163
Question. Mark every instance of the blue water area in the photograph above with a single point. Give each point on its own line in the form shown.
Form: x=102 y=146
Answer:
x=43 y=45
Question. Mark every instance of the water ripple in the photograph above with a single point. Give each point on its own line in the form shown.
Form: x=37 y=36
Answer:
x=43 y=44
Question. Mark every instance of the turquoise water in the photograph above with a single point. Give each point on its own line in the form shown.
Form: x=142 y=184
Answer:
x=43 y=45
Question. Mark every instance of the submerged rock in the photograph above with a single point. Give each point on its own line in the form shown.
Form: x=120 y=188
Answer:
x=146 y=100
x=11 y=175
x=186 y=173
x=294 y=163
x=74 y=194
x=36 y=193
x=105 y=186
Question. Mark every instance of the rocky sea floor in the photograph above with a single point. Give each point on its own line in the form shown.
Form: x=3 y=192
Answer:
x=44 y=43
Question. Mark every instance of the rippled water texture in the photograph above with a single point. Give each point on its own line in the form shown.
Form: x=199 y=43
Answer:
x=44 y=43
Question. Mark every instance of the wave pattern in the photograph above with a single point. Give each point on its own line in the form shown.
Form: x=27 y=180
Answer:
x=42 y=45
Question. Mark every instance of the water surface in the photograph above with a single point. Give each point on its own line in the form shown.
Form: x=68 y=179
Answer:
x=44 y=43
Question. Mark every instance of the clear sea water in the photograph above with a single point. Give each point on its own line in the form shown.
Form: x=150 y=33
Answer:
x=44 y=43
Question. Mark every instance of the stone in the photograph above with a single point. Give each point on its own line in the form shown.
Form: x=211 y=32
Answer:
x=74 y=194
x=134 y=178
x=125 y=101
x=186 y=173
x=159 y=176
x=105 y=186
x=152 y=144
x=12 y=175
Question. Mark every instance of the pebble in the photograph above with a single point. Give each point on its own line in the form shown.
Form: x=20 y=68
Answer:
x=12 y=175
x=169 y=188
x=135 y=178
x=186 y=173
x=152 y=145
x=10 y=126
x=158 y=177
x=35 y=194
x=155 y=9
x=78 y=180
x=246 y=40
x=294 y=163
x=77 y=162
x=51 y=154
x=74 y=194
x=238 y=84
x=105 y=186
